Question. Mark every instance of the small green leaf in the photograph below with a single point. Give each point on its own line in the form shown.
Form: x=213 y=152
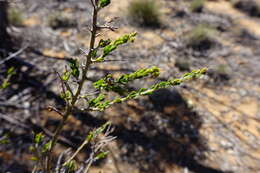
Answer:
x=74 y=66
x=94 y=53
x=46 y=147
x=4 y=140
x=71 y=166
x=66 y=95
x=103 y=3
x=108 y=49
x=5 y=84
x=90 y=136
x=103 y=43
x=32 y=149
x=11 y=71
x=66 y=75
x=101 y=155
x=33 y=158
x=38 y=138
x=97 y=101
x=113 y=45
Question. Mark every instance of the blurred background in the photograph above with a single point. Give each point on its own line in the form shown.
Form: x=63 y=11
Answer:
x=208 y=125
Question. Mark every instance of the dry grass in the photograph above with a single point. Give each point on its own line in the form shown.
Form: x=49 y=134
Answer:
x=15 y=17
x=197 y=5
x=202 y=37
x=144 y=13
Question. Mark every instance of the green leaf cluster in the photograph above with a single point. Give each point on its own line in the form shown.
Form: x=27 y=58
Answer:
x=74 y=70
x=117 y=85
x=109 y=46
x=74 y=66
x=93 y=134
x=6 y=82
x=40 y=144
x=70 y=166
x=101 y=155
x=103 y=3
x=102 y=104
x=38 y=138
x=66 y=95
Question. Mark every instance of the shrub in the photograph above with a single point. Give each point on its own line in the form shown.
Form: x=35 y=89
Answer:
x=220 y=74
x=250 y=7
x=15 y=17
x=144 y=13
x=202 y=37
x=182 y=65
x=59 y=20
x=197 y=5
x=73 y=81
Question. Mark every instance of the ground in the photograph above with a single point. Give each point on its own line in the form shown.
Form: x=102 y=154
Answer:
x=207 y=125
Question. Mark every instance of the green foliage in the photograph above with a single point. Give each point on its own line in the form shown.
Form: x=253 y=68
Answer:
x=100 y=104
x=101 y=155
x=59 y=20
x=66 y=75
x=15 y=17
x=144 y=13
x=220 y=74
x=183 y=65
x=6 y=82
x=46 y=147
x=71 y=166
x=4 y=139
x=38 y=138
x=103 y=3
x=93 y=134
x=74 y=66
x=197 y=5
x=202 y=36
x=66 y=95
x=110 y=84
x=108 y=46
x=103 y=43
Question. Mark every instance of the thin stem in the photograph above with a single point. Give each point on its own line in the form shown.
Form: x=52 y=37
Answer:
x=91 y=158
x=75 y=97
x=76 y=152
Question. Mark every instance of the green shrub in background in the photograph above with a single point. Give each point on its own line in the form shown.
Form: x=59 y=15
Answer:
x=15 y=17
x=182 y=64
x=144 y=13
x=197 y=5
x=201 y=37
x=59 y=20
x=73 y=81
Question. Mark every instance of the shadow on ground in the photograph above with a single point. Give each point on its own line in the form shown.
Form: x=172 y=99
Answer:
x=166 y=134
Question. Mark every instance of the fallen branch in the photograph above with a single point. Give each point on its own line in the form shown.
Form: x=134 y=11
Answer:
x=13 y=55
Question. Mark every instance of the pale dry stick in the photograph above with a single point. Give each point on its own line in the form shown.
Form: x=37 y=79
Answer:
x=13 y=55
x=106 y=139
x=86 y=141
x=103 y=141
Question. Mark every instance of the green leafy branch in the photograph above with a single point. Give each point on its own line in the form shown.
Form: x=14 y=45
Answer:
x=100 y=104
x=108 y=83
x=109 y=46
